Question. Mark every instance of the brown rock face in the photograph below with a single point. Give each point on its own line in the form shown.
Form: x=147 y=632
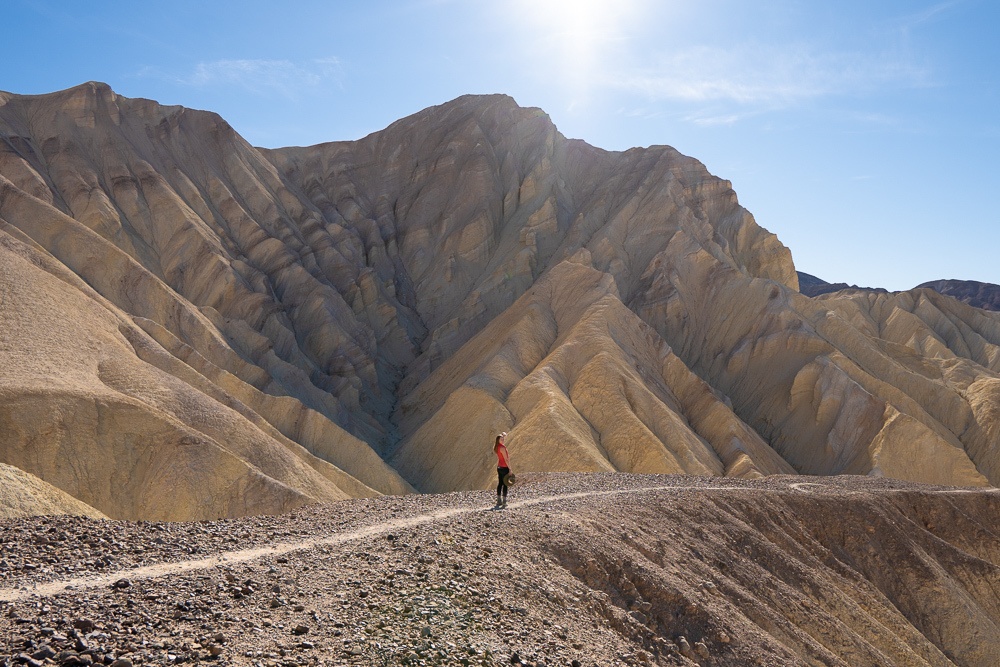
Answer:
x=193 y=327
x=974 y=293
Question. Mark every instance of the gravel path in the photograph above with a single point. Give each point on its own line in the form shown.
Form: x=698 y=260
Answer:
x=414 y=580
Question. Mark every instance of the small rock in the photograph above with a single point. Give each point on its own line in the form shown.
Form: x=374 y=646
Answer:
x=723 y=637
x=121 y=662
x=85 y=624
x=685 y=648
x=44 y=651
x=122 y=584
x=300 y=629
x=701 y=649
x=215 y=650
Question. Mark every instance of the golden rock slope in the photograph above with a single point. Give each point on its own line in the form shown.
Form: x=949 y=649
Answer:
x=194 y=327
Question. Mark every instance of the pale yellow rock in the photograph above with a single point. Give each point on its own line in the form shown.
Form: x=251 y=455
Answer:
x=81 y=411
x=195 y=327
x=23 y=495
x=906 y=449
x=589 y=386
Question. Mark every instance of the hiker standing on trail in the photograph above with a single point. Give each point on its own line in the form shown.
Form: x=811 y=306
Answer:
x=503 y=468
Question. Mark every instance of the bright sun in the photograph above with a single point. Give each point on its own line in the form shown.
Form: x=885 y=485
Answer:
x=577 y=37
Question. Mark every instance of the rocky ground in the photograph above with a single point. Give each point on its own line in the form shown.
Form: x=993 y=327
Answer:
x=606 y=569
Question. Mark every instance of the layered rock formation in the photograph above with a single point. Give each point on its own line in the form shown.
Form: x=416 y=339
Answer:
x=24 y=495
x=134 y=377
x=194 y=327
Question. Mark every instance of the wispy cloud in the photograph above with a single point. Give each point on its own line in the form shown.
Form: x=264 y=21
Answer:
x=767 y=76
x=711 y=120
x=644 y=113
x=927 y=14
x=262 y=77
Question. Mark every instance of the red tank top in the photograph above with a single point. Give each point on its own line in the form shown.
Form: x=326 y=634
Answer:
x=502 y=456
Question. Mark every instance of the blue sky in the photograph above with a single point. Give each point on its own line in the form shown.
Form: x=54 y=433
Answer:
x=865 y=135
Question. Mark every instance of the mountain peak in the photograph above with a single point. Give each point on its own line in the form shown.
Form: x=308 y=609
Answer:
x=249 y=331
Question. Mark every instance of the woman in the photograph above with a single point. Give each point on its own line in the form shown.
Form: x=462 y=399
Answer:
x=503 y=468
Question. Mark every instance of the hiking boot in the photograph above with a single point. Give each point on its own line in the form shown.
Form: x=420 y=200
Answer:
x=504 y=503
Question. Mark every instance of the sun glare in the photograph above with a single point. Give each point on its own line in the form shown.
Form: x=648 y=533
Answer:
x=578 y=38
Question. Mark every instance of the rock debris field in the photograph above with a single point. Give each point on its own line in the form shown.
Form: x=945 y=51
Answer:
x=580 y=569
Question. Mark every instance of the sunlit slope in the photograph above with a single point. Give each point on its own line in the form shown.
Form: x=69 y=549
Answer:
x=124 y=340
x=93 y=405
x=834 y=385
x=24 y=495
x=480 y=199
x=581 y=383
x=197 y=327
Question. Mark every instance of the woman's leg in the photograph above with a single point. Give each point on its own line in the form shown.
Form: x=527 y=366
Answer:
x=500 y=486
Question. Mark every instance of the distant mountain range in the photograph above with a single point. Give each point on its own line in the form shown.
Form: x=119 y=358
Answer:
x=977 y=294
x=980 y=295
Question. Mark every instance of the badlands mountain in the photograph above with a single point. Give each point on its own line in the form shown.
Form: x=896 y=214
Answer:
x=191 y=327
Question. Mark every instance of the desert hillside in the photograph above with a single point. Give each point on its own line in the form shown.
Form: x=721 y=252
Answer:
x=580 y=569
x=196 y=328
